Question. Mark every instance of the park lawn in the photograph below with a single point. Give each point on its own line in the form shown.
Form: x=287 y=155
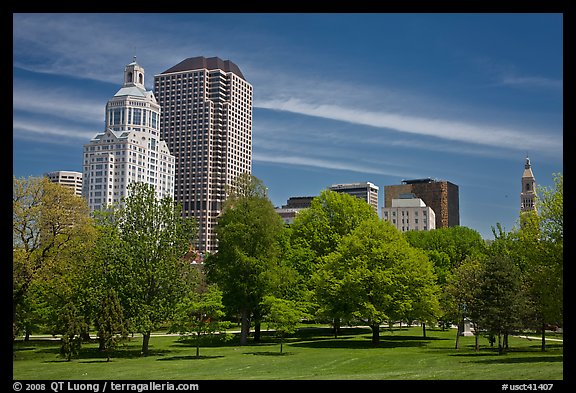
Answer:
x=311 y=354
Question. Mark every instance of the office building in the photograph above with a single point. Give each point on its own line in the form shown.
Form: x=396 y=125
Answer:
x=440 y=195
x=409 y=213
x=206 y=121
x=293 y=206
x=366 y=191
x=528 y=193
x=130 y=148
x=69 y=179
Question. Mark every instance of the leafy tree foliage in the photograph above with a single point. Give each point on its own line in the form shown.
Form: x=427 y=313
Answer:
x=110 y=323
x=282 y=316
x=147 y=262
x=447 y=248
x=551 y=205
x=316 y=232
x=374 y=275
x=463 y=295
x=52 y=232
x=500 y=298
x=200 y=313
x=456 y=242
x=330 y=217
x=72 y=327
x=249 y=232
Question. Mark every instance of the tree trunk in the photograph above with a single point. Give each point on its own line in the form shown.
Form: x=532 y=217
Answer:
x=375 y=334
x=245 y=328
x=145 y=342
x=197 y=345
x=543 y=348
x=336 y=327
x=257 y=331
x=500 y=346
x=424 y=329
x=457 y=337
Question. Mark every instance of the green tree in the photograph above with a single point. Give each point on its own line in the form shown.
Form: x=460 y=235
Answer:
x=51 y=234
x=282 y=316
x=330 y=217
x=249 y=232
x=551 y=205
x=110 y=323
x=375 y=276
x=200 y=313
x=500 y=298
x=456 y=242
x=447 y=248
x=71 y=326
x=317 y=231
x=463 y=290
x=540 y=247
x=150 y=270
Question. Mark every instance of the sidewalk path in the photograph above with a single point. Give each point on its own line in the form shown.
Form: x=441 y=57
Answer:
x=540 y=338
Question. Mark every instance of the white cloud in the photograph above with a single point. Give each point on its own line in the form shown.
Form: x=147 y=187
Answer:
x=533 y=82
x=455 y=130
x=326 y=164
x=24 y=129
x=62 y=103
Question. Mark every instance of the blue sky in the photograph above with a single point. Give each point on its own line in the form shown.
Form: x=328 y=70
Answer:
x=338 y=97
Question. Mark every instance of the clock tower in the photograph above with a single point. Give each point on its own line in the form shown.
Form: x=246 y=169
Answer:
x=528 y=193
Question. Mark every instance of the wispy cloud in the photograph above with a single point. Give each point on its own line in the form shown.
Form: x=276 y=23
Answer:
x=532 y=82
x=50 y=132
x=455 y=130
x=343 y=164
x=63 y=103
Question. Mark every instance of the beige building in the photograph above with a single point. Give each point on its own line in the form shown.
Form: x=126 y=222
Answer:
x=130 y=148
x=409 y=213
x=441 y=195
x=366 y=191
x=69 y=179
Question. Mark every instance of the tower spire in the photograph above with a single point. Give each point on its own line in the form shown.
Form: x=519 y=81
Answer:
x=528 y=192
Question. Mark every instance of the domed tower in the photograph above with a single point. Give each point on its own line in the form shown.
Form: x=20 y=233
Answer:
x=528 y=193
x=134 y=75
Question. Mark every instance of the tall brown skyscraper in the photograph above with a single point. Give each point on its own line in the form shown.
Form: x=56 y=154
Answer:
x=206 y=121
x=442 y=196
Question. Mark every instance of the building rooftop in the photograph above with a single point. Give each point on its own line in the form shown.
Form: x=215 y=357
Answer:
x=210 y=63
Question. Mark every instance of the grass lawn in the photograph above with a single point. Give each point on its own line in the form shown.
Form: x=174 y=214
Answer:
x=310 y=354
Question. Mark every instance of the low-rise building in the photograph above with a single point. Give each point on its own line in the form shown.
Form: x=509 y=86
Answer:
x=410 y=213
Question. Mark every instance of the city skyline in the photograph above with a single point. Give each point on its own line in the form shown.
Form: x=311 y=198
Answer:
x=342 y=98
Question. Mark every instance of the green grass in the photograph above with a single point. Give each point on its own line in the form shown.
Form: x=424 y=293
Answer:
x=311 y=354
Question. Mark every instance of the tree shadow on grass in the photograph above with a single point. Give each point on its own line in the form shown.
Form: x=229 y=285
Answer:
x=502 y=359
x=189 y=357
x=268 y=353
x=366 y=342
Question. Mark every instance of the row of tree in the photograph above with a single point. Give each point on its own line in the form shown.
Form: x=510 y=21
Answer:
x=127 y=269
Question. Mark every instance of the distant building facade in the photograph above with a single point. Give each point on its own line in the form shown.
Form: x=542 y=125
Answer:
x=528 y=193
x=440 y=195
x=409 y=213
x=69 y=179
x=292 y=207
x=366 y=191
x=130 y=148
